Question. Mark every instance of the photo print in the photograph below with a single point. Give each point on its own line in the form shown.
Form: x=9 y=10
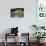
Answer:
x=17 y=12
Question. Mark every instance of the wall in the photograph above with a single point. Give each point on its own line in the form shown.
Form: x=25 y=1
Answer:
x=24 y=24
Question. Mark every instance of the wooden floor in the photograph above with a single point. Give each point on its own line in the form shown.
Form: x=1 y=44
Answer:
x=13 y=44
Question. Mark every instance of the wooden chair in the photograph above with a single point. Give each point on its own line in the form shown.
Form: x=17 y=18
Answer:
x=27 y=43
x=8 y=34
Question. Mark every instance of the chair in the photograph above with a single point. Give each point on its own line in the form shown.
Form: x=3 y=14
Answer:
x=7 y=35
x=25 y=37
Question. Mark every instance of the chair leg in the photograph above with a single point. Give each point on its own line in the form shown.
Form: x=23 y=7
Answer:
x=5 y=43
x=16 y=39
x=5 y=40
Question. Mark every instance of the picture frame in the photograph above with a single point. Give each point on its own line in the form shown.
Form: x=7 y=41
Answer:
x=17 y=12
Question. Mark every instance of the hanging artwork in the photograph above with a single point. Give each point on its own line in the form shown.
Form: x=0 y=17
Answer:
x=41 y=8
x=17 y=12
x=41 y=13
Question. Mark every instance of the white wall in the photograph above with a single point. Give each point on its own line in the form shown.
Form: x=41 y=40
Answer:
x=24 y=23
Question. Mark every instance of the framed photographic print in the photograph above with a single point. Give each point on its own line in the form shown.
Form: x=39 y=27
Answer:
x=17 y=12
x=41 y=12
x=41 y=8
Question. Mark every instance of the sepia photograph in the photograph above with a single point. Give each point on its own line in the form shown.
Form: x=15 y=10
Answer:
x=17 y=12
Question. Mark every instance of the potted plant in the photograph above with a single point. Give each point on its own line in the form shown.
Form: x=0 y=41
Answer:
x=39 y=35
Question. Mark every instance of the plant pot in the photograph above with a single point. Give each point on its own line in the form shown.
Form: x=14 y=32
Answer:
x=40 y=41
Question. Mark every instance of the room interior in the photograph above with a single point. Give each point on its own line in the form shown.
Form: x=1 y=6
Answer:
x=23 y=23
